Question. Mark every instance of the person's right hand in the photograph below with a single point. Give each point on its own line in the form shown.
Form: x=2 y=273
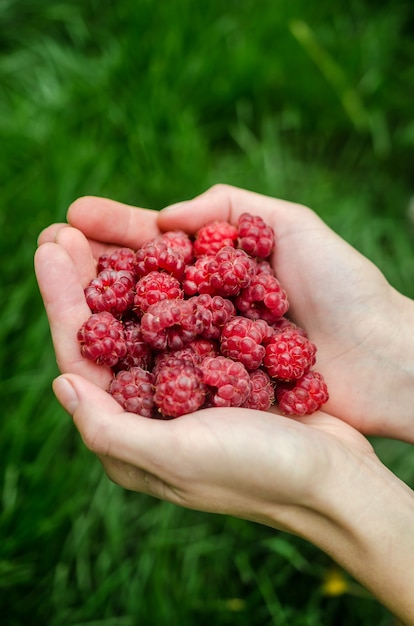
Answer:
x=360 y=324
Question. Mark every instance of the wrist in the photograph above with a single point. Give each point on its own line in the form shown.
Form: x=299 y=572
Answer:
x=364 y=521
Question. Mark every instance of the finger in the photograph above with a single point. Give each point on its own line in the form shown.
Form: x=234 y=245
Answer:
x=105 y=220
x=48 y=235
x=78 y=248
x=66 y=309
x=109 y=431
x=225 y=203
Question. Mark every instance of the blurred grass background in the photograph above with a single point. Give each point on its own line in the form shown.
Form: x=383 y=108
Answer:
x=149 y=103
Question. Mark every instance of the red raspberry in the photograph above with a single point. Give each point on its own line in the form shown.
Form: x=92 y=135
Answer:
x=228 y=381
x=197 y=277
x=194 y=352
x=154 y=287
x=289 y=355
x=179 y=388
x=264 y=298
x=214 y=311
x=138 y=352
x=214 y=236
x=102 y=339
x=262 y=395
x=284 y=323
x=242 y=340
x=255 y=236
x=224 y=274
x=264 y=267
x=170 y=324
x=111 y=291
x=178 y=240
x=303 y=396
x=158 y=255
x=134 y=391
x=120 y=259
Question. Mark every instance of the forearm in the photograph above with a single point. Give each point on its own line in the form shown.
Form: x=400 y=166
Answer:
x=367 y=527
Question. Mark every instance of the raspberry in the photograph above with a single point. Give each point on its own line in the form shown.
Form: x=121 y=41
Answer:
x=262 y=395
x=214 y=236
x=138 y=352
x=264 y=267
x=289 y=355
x=214 y=311
x=102 y=339
x=284 y=323
x=179 y=388
x=194 y=352
x=224 y=274
x=242 y=340
x=170 y=324
x=228 y=382
x=134 y=391
x=120 y=259
x=264 y=298
x=255 y=236
x=303 y=396
x=154 y=287
x=179 y=241
x=111 y=291
x=158 y=255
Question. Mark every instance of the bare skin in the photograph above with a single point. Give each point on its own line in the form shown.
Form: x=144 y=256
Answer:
x=317 y=477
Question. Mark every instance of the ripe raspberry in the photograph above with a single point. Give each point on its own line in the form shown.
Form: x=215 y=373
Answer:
x=179 y=388
x=242 y=340
x=255 y=236
x=289 y=355
x=120 y=259
x=214 y=236
x=228 y=381
x=264 y=298
x=178 y=240
x=154 y=287
x=111 y=291
x=102 y=339
x=264 y=267
x=170 y=324
x=138 y=352
x=134 y=391
x=194 y=352
x=262 y=395
x=224 y=274
x=303 y=396
x=158 y=255
x=284 y=323
x=214 y=311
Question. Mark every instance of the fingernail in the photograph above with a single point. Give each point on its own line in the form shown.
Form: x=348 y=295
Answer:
x=66 y=394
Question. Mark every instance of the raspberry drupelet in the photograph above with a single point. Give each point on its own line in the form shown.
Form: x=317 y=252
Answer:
x=102 y=339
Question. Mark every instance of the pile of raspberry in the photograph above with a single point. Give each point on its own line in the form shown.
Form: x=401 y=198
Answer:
x=185 y=323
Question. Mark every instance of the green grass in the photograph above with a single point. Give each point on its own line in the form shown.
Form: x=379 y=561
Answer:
x=149 y=103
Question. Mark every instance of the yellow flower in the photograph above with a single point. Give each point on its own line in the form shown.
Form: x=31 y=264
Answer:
x=335 y=583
